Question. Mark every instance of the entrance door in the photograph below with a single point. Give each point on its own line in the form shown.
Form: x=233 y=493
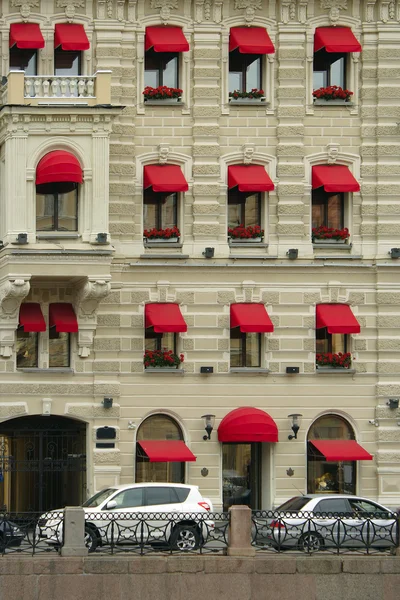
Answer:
x=42 y=463
x=241 y=473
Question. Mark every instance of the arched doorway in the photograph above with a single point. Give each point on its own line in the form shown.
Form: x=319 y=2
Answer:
x=42 y=463
x=330 y=476
x=158 y=427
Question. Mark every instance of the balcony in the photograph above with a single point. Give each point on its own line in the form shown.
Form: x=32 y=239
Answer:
x=45 y=90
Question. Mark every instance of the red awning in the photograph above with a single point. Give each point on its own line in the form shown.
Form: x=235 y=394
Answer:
x=31 y=318
x=334 y=450
x=166 y=451
x=58 y=166
x=247 y=425
x=250 y=40
x=62 y=316
x=71 y=36
x=165 y=178
x=26 y=35
x=165 y=318
x=251 y=318
x=337 y=318
x=249 y=178
x=334 y=178
x=336 y=39
x=165 y=39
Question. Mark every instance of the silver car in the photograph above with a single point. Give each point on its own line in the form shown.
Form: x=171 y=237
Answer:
x=314 y=522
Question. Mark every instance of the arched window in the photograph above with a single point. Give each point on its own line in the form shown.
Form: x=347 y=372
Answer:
x=329 y=476
x=158 y=427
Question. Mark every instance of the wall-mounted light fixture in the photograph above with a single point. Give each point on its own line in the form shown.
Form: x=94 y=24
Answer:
x=292 y=253
x=209 y=252
x=295 y=423
x=209 y=421
x=101 y=238
x=393 y=403
x=394 y=253
x=22 y=238
x=374 y=422
x=107 y=402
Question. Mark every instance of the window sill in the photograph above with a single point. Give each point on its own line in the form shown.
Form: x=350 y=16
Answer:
x=163 y=244
x=165 y=370
x=250 y=102
x=249 y=370
x=337 y=370
x=162 y=102
x=332 y=103
x=337 y=245
x=49 y=370
x=51 y=235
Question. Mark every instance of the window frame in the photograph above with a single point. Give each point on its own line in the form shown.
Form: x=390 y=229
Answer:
x=20 y=329
x=241 y=198
x=327 y=59
x=150 y=334
x=16 y=52
x=60 y=52
x=322 y=334
x=151 y=197
x=55 y=214
x=68 y=342
x=321 y=194
x=236 y=55
x=235 y=333
x=150 y=53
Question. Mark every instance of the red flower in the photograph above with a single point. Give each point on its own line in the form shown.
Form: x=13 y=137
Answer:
x=254 y=93
x=164 y=234
x=162 y=358
x=162 y=92
x=334 y=360
x=332 y=92
x=242 y=232
x=329 y=233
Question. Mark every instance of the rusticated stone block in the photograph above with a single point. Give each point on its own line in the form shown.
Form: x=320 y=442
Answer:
x=208 y=230
x=388 y=368
x=226 y=297
x=206 y=170
x=312 y=297
x=222 y=367
x=289 y=229
x=388 y=298
x=388 y=322
x=140 y=296
x=290 y=150
x=273 y=367
x=112 y=298
x=108 y=320
x=137 y=367
x=291 y=209
x=223 y=344
x=356 y=298
x=224 y=321
x=106 y=366
x=107 y=344
x=270 y=298
x=205 y=189
x=206 y=208
x=206 y=150
x=309 y=345
x=137 y=321
x=273 y=344
x=187 y=344
x=185 y=297
x=360 y=344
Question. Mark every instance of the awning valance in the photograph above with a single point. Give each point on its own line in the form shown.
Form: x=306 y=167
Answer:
x=247 y=424
x=165 y=318
x=62 y=317
x=165 y=39
x=336 y=39
x=71 y=36
x=164 y=178
x=251 y=318
x=337 y=450
x=337 y=318
x=334 y=178
x=26 y=36
x=250 y=40
x=31 y=317
x=58 y=166
x=249 y=178
x=166 y=451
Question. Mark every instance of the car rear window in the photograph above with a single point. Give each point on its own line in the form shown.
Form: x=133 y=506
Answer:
x=332 y=505
x=182 y=493
x=294 y=504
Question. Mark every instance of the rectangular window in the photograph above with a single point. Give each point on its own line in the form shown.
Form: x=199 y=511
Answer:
x=160 y=341
x=330 y=342
x=161 y=68
x=244 y=208
x=67 y=63
x=59 y=348
x=327 y=209
x=244 y=71
x=245 y=349
x=27 y=346
x=329 y=69
x=57 y=211
x=160 y=210
x=23 y=60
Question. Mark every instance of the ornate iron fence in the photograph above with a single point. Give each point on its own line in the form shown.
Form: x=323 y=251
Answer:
x=326 y=532
x=21 y=533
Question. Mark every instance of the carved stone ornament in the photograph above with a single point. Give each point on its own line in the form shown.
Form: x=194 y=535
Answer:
x=25 y=7
x=12 y=292
x=165 y=7
x=87 y=300
x=250 y=7
x=369 y=10
x=334 y=6
x=248 y=153
x=333 y=153
x=163 y=151
x=288 y=11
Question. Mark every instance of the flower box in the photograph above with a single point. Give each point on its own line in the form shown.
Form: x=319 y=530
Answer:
x=247 y=100
x=163 y=100
x=252 y=95
x=322 y=101
x=329 y=234
x=161 y=368
x=170 y=234
x=161 y=240
x=245 y=240
x=333 y=360
x=329 y=242
x=162 y=359
x=332 y=93
x=245 y=234
x=162 y=93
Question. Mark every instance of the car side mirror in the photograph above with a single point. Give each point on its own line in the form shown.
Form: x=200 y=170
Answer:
x=111 y=504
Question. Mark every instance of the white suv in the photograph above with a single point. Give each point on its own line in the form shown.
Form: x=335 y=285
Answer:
x=175 y=517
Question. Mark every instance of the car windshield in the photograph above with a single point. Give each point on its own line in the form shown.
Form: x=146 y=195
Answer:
x=98 y=498
x=294 y=504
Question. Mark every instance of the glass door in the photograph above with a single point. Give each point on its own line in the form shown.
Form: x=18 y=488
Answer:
x=241 y=475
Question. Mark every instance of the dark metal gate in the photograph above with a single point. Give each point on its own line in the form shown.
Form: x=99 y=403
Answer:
x=42 y=463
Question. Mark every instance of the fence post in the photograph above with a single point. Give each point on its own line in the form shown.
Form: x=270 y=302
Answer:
x=240 y=532
x=74 y=532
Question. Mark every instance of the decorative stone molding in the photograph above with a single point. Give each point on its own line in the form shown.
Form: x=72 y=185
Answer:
x=248 y=153
x=288 y=11
x=333 y=153
x=88 y=411
x=107 y=457
x=70 y=7
x=163 y=293
x=86 y=302
x=25 y=7
x=334 y=6
x=163 y=152
x=250 y=7
x=369 y=10
x=12 y=292
x=208 y=10
x=13 y=409
x=165 y=7
x=132 y=10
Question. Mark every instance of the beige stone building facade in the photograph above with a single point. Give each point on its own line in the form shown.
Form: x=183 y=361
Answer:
x=73 y=247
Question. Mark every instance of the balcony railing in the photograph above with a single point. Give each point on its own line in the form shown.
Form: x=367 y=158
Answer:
x=50 y=89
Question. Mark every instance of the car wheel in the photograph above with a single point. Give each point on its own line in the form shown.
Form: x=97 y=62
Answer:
x=185 y=538
x=311 y=542
x=91 y=539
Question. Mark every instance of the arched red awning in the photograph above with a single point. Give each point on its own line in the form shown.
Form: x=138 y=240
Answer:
x=247 y=424
x=57 y=166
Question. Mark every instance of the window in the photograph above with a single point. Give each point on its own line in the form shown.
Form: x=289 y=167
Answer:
x=57 y=207
x=332 y=505
x=245 y=349
x=59 y=348
x=330 y=476
x=160 y=210
x=161 y=68
x=327 y=209
x=330 y=342
x=244 y=208
x=244 y=71
x=160 y=341
x=23 y=60
x=159 y=427
x=67 y=63
x=27 y=346
x=160 y=495
x=329 y=69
